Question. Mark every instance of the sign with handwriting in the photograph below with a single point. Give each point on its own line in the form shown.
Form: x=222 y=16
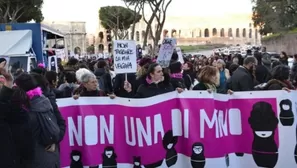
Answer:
x=166 y=51
x=124 y=55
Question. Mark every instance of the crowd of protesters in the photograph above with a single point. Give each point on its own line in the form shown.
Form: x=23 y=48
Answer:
x=32 y=126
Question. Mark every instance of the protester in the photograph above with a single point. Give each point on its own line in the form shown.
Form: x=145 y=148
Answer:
x=24 y=142
x=284 y=58
x=13 y=127
x=223 y=75
x=207 y=79
x=242 y=78
x=156 y=83
x=280 y=79
x=44 y=130
x=176 y=75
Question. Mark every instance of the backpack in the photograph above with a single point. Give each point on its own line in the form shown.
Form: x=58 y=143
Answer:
x=101 y=83
x=49 y=129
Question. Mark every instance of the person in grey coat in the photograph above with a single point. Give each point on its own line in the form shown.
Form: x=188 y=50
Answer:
x=45 y=132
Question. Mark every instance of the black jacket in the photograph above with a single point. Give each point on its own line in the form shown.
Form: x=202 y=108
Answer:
x=49 y=93
x=100 y=72
x=200 y=86
x=241 y=80
x=178 y=83
x=149 y=90
x=118 y=85
x=13 y=127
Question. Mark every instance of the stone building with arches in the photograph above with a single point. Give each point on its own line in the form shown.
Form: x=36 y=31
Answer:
x=75 y=35
x=197 y=30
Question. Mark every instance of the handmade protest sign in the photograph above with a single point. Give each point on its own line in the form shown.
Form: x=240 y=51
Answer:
x=166 y=51
x=180 y=55
x=124 y=55
x=188 y=130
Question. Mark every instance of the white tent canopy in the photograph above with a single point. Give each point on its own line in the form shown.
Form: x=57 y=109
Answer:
x=17 y=42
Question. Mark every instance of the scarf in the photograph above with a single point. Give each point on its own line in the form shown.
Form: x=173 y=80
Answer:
x=149 y=81
x=176 y=75
x=212 y=87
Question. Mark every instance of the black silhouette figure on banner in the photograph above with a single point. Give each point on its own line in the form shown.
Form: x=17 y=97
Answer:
x=286 y=115
x=227 y=160
x=264 y=123
x=239 y=154
x=75 y=157
x=94 y=166
x=109 y=158
x=169 y=141
x=198 y=158
x=136 y=162
x=53 y=64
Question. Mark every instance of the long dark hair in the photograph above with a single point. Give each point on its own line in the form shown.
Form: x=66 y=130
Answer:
x=151 y=69
x=24 y=83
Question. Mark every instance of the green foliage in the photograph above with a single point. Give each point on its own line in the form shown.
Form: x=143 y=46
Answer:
x=91 y=49
x=20 y=10
x=117 y=17
x=196 y=48
x=273 y=16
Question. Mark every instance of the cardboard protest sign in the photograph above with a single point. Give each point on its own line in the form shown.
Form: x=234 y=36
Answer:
x=124 y=55
x=166 y=51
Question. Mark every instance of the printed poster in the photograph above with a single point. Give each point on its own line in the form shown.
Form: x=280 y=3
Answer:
x=188 y=130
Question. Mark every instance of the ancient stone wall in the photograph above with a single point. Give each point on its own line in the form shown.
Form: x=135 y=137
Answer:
x=287 y=43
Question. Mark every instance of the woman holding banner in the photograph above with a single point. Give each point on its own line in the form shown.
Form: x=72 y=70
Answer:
x=208 y=79
x=89 y=86
x=156 y=83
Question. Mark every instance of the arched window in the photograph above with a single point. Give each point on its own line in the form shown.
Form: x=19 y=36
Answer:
x=237 y=32
x=137 y=36
x=142 y=34
x=250 y=33
x=77 y=50
x=101 y=47
x=214 y=32
x=222 y=32
x=101 y=36
x=230 y=34
x=244 y=32
x=206 y=33
x=109 y=47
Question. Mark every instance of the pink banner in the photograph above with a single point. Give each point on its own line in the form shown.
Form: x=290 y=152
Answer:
x=108 y=135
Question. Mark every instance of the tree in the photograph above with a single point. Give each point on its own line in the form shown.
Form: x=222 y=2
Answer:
x=91 y=49
x=118 y=19
x=137 y=6
x=273 y=16
x=20 y=11
x=159 y=9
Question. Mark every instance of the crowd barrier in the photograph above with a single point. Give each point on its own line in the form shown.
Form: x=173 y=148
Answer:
x=189 y=130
